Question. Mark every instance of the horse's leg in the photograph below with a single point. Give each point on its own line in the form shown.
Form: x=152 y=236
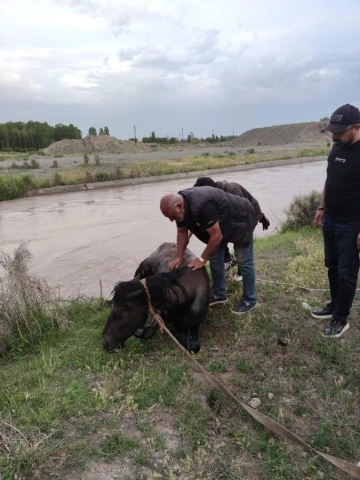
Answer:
x=150 y=329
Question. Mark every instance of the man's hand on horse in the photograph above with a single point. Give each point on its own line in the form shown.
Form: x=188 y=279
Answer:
x=196 y=263
x=176 y=263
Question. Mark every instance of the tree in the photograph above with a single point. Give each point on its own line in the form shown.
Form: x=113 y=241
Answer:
x=101 y=131
x=20 y=136
x=324 y=119
x=92 y=131
x=106 y=131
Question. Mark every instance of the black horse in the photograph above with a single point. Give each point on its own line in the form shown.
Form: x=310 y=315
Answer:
x=181 y=297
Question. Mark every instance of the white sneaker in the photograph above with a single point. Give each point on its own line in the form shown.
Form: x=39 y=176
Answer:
x=237 y=278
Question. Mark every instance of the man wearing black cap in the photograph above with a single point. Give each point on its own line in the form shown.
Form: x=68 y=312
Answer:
x=339 y=216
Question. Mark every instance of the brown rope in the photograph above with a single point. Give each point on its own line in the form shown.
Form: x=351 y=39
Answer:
x=266 y=421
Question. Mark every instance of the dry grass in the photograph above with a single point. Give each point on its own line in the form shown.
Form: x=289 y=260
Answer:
x=25 y=300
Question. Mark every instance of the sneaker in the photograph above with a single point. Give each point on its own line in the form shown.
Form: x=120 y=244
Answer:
x=324 y=312
x=336 y=328
x=230 y=262
x=237 y=277
x=217 y=301
x=243 y=307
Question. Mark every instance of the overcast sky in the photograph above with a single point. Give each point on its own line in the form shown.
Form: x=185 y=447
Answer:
x=204 y=65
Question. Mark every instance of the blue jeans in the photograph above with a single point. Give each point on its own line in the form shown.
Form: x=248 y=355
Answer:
x=245 y=259
x=342 y=262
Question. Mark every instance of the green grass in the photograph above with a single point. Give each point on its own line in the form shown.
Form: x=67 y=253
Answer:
x=66 y=404
x=15 y=186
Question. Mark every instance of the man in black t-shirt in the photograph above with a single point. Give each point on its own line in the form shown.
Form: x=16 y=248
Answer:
x=215 y=218
x=339 y=216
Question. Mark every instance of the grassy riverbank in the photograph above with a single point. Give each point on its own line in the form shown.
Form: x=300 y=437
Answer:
x=68 y=406
x=17 y=182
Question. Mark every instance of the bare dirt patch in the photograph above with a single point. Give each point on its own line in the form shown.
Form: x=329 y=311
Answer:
x=307 y=133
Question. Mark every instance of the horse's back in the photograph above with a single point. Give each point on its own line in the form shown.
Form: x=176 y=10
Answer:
x=158 y=261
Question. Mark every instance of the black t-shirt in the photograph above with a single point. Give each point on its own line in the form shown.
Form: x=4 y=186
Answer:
x=208 y=217
x=342 y=188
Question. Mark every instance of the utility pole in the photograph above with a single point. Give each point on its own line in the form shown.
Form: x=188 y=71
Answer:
x=135 y=134
x=233 y=134
x=182 y=135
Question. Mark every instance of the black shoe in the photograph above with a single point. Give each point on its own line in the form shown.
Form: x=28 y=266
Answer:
x=243 y=307
x=336 y=328
x=325 y=312
x=216 y=301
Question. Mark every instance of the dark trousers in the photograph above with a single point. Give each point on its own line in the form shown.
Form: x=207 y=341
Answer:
x=342 y=262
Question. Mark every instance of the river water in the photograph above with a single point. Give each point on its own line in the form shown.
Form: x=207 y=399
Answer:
x=80 y=238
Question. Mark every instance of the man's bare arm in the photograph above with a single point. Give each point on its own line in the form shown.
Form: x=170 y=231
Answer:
x=213 y=244
x=181 y=244
x=182 y=240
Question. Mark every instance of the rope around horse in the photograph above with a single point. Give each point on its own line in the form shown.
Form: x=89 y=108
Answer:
x=266 y=421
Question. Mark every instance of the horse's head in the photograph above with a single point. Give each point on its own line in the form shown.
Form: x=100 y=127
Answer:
x=128 y=313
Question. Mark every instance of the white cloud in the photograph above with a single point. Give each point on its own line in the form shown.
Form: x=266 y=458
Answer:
x=161 y=63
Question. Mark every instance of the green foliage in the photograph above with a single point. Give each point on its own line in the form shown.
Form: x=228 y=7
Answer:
x=34 y=163
x=86 y=158
x=116 y=444
x=15 y=187
x=301 y=211
x=324 y=119
x=250 y=151
x=92 y=131
x=20 y=136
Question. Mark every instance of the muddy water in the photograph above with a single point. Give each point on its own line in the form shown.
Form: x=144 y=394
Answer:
x=78 y=239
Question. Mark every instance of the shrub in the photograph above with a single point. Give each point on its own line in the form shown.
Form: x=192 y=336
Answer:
x=35 y=164
x=86 y=158
x=250 y=151
x=55 y=164
x=102 y=177
x=97 y=159
x=25 y=300
x=301 y=211
x=57 y=179
x=15 y=187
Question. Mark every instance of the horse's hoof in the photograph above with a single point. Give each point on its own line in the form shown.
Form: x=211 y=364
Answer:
x=146 y=333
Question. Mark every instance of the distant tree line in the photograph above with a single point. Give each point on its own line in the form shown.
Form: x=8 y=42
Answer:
x=102 y=131
x=190 y=139
x=21 y=137
x=162 y=140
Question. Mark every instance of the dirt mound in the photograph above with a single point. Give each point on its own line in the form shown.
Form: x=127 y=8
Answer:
x=309 y=132
x=101 y=143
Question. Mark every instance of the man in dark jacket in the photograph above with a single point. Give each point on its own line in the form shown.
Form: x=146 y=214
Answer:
x=339 y=217
x=213 y=215
x=235 y=189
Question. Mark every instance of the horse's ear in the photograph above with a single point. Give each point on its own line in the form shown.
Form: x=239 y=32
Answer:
x=134 y=294
x=143 y=270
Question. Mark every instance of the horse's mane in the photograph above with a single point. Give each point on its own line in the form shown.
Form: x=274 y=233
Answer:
x=160 y=286
x=123 y=289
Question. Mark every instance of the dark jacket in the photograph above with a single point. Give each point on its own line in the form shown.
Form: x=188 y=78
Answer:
x=237 y=189
x=236 y=214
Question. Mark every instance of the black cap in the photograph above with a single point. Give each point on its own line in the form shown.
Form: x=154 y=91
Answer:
x=343 y=118
x=204 y=182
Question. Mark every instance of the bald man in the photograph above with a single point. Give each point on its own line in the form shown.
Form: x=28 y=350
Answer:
x=213 y=215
